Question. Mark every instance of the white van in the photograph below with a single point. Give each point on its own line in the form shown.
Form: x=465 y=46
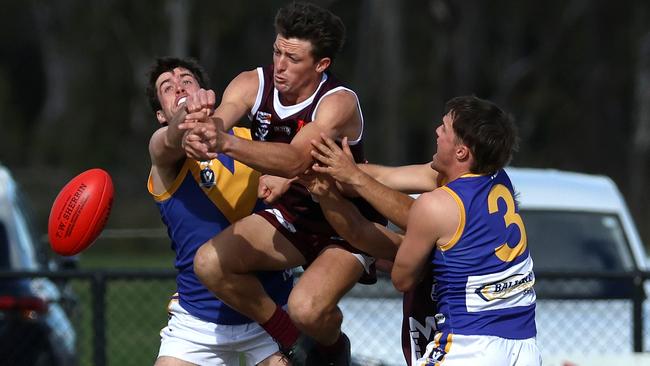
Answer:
x=580 y=223
x=575 y=223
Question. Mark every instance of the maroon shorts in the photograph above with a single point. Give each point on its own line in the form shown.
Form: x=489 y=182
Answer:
x=311 y=244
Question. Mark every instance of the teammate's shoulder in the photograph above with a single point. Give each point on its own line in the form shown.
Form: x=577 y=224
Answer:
x=341 y=92
x=159 y=131
x=156 y=141
x=428 y=197
x=339 y=98
x=248 y=77
x=439 y=200
x=242 y=88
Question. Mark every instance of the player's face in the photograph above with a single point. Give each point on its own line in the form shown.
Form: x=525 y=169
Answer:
x=172 y=88
x=446 y=144
x=295 y=71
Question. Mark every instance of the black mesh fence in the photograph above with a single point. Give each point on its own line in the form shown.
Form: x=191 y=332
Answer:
x=114 y=317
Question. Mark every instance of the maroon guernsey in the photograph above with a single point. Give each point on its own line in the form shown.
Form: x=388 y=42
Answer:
x=274 y=122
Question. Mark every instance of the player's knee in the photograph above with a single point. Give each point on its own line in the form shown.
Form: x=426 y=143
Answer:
x=306 y=311
x=206 y=265
x=302 y=312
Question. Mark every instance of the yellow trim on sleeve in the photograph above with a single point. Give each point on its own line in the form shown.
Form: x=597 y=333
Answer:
x=177 y=183
x=461 y=221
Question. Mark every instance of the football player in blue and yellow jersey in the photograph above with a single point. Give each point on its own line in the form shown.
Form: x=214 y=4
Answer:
x=482 y=269
x=197 y=200
x=465 y=235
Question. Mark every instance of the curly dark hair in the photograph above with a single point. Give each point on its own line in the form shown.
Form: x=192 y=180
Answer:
x=312 y=23
x=489 y=132
x=164 y=64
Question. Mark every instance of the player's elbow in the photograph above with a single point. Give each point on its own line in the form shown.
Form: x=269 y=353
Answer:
x=401 y=281
x=294 y=170
x=402 y=285
x=295 y=161
x=295 y=167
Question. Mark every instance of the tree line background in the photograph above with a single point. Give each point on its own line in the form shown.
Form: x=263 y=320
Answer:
x=574 y=73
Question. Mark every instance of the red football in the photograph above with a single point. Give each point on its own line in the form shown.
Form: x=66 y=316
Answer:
x=80 y=212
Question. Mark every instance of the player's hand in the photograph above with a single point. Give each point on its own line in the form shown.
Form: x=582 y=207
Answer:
x=318 y=185
x=196 y=141
x=271 y=187
x=192 y=119
x=200 y=100
x=334 y=161
x=199 y=106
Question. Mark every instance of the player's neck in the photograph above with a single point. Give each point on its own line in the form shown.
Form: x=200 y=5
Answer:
x=456 y=172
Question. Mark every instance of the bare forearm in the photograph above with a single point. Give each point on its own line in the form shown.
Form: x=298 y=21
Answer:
x=165 y=146
x=391 y=204
x=407 y=179
x=173 y=139
x=273 y=158
x=360 y=232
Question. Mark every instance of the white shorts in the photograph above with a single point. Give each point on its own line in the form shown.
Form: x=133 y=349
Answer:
x=458 y=350
x=191 y=339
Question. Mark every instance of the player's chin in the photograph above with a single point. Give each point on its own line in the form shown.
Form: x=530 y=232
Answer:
x=434 y=163
x=281 y=87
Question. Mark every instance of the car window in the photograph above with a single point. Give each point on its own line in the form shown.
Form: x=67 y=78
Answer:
x=28 y=257
x=577 y=241
x=565 y=241
x=4 y=247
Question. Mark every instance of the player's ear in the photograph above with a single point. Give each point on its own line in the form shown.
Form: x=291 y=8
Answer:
x=462 y=152
x=323 y=64
x=161 y=117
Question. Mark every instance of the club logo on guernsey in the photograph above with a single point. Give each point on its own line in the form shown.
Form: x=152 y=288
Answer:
x=433 y=356
x=437 y=355
x=262 y=130
x=207 y=174
x=506 y=287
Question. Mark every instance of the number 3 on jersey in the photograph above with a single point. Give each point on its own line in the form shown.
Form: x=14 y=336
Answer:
x=505 y=252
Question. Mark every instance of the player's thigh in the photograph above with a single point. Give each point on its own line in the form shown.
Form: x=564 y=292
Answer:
x=334 y=272
x=171 y=361
x=252 y=243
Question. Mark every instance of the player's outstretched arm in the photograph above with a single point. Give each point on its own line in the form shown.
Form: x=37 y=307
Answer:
x=433 y=221
x=416 y=178
x=348 y=222
x=337 y=115
x=338 y=163
x=165 y=143
x=207 y=129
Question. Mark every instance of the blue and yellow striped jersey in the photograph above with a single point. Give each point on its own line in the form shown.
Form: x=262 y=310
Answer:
x=484 y=275
x=194 y=211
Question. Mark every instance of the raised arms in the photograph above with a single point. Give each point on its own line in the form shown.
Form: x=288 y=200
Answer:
x=378 y=185
x=337 y=116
